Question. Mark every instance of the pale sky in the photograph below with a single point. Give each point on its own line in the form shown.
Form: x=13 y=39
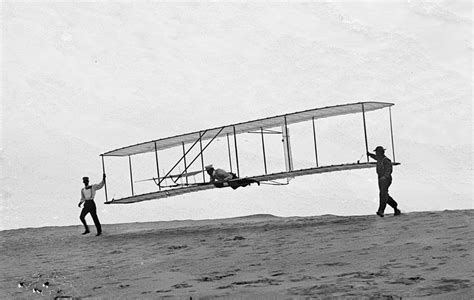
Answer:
x=80 y=79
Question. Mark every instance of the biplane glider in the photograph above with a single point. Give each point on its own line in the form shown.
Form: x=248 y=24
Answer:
x=200 y=141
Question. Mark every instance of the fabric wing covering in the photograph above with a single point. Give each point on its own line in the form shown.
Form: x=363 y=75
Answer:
x=269 y=177
x=265 y=123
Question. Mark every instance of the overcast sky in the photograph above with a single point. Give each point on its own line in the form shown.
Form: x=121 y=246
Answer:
x=80 y=79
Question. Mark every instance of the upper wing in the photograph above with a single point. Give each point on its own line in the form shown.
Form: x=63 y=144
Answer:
x=271 y=122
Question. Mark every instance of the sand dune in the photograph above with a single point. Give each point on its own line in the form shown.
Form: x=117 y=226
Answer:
x=420 y=254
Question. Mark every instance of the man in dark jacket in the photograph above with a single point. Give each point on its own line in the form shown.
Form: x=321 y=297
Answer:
x=384 y=172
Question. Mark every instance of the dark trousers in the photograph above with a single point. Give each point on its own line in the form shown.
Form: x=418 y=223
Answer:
x=236 y=183
x=89 y=207
x=241 y=182
x=384 y=196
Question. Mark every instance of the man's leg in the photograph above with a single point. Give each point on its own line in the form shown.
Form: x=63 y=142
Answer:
x=383 y=196
x=390 y=200
x=253 y=181
x=394 y=205
x=218 y=184
x=242 y=182
x=84 y=212
x=95 y=218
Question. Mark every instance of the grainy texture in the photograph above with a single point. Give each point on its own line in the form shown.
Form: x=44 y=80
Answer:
x=422 y=254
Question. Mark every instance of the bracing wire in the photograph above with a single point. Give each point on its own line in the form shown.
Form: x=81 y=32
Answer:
x=273 y=182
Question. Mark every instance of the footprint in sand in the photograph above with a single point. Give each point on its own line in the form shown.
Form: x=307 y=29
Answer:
x=301 y=278
x=258 y=282
x=182 y=285
x=177 y=247
x=445 y=285
x=334 y=264
x=214 y=277
x=252 y=283
x=407 y=281
x=255 y=265
x=440 y=257
x=364 y=274
x=323 y=289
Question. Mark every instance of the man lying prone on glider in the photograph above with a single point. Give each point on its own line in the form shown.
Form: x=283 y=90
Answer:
x=221 y=178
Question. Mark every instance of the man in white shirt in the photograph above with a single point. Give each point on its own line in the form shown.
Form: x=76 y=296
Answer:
x=219 y=174
x=87 y=197
x=221 y=178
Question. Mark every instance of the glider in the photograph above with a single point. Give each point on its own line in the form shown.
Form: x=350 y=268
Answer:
x=200 y=141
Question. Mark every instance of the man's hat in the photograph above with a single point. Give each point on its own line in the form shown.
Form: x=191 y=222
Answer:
x=208 y=167
x=85 y=178
x=379 y=148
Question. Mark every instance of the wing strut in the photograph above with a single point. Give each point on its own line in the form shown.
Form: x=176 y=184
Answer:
x=365 y=132
x=157 y=165
x=315 y=146
x=177 y=163
x=263 y=150
x=391 y=133
x=105 y=182
x=236 y=152
x=200 y=153
x=228 y=150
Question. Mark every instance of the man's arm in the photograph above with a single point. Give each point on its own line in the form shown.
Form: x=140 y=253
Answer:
x=387 y=166
x=99 y=185
x=229 y=177
x=373 y=156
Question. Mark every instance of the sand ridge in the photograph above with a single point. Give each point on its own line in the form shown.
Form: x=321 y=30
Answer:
x=420 y=254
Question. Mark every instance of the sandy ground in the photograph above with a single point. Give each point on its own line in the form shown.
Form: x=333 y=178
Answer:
x=422 y=254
